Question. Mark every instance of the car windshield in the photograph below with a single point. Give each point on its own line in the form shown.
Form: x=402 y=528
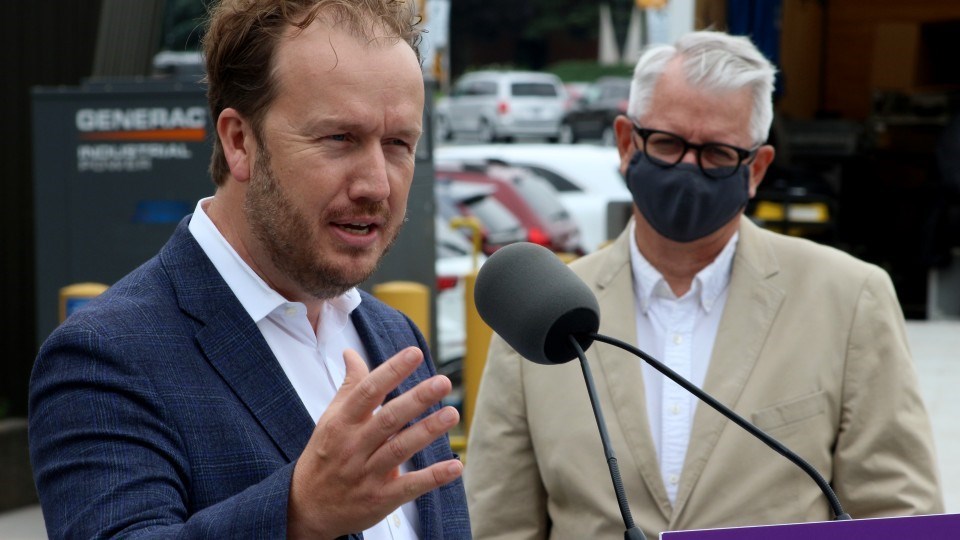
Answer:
x=523 y=89
x=558 y=182
x=616 y=91
x=494 y=215
x=542 y=197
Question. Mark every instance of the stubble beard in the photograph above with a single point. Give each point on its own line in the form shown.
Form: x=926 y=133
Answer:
x=289 y=237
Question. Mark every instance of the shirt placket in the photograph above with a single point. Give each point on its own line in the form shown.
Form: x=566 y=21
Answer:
x=674 y=405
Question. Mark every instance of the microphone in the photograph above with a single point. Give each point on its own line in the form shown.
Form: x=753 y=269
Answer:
x=545 y=302
x=546 y=313
x=520 y=304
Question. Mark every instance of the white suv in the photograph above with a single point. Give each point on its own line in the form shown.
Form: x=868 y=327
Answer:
x=502 y=105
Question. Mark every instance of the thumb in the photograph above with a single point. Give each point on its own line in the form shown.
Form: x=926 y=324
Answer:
x=356 y=369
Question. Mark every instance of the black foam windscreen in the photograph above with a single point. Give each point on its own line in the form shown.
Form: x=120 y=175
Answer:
x=534 y=302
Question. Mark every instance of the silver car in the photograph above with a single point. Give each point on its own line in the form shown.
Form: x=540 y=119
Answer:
x=502 y=105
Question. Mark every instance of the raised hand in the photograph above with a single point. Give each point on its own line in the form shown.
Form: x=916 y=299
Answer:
x=348 y=477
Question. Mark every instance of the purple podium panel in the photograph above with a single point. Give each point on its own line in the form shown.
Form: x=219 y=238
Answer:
x=937 y=527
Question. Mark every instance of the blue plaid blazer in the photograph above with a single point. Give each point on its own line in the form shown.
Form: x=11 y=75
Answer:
x=159 y=411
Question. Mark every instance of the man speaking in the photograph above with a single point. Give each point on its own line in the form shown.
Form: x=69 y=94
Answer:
x=238 y=385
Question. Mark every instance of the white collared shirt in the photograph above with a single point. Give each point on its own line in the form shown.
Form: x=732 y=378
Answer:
x=680 y=332
x=312 y=361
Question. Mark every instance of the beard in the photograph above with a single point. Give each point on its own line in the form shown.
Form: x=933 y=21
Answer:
x=289 y=237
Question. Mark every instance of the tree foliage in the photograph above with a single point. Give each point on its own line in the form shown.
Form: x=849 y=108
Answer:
x=183 y=24
x=529 y=19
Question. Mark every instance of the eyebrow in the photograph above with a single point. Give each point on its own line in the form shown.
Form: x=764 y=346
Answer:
x=340 y=124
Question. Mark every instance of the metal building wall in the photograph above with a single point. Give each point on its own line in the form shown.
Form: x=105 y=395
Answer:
x=136 y=24
x=42 y=42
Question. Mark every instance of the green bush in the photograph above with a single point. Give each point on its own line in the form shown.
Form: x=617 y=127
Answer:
x=587 y=70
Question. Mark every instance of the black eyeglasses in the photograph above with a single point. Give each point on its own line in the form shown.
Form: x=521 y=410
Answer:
x=716 y=160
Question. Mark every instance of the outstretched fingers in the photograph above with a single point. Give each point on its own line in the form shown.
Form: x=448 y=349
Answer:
x=362 y=393
x=411 y=485
x=399 y=446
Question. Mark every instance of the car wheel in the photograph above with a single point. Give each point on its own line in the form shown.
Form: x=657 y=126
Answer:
x=444 y=132
x=485 y=132
x=608 y=137
x=567 y=136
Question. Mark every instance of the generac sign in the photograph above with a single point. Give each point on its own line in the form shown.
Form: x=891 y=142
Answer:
x=186 y=124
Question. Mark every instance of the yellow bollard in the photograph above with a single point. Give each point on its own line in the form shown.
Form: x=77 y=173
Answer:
x=410 y=298
x=73 y=297
x=567 y=258
x=478 y=342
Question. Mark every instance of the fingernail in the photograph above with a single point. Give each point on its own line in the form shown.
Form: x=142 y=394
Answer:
x=447 y=416
x=438 y=384
x=455 y=467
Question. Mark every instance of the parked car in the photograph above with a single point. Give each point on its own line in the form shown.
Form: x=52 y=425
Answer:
x=575 y=91
x=592 y=114
x=529 y=197
x=499 y=226
x=587 y=178
x=502 y=105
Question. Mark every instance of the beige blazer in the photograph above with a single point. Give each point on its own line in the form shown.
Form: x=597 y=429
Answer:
x=811 y=348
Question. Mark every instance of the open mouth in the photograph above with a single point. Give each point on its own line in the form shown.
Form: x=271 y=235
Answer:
x=358 y=229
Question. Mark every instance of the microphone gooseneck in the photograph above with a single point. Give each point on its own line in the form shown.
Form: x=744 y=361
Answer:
x=736 y=419
x=632 y=531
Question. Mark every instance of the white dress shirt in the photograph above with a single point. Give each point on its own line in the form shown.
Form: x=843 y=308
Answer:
x=312 y=361
x=679 y=332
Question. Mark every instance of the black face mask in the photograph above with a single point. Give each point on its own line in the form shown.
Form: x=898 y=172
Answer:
x=683 y=204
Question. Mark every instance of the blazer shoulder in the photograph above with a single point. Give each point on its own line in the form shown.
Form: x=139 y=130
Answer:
x=801 y=255
x=139 y=297
x=820 y=271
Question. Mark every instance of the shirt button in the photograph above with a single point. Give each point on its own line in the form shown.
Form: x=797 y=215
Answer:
x=677 y=339
x=396 y=521
x=290 y=311
x=674 y=479
x=675 y=409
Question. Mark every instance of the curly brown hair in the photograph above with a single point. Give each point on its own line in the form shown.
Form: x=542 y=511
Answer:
x=242 y=36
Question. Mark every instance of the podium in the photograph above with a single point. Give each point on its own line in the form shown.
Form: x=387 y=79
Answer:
x=936 y=527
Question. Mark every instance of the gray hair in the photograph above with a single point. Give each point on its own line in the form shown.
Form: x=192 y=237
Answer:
x=712 y=61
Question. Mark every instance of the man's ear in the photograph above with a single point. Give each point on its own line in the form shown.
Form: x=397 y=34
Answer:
x=239 y=143
x=758 y=168
x=623 y=128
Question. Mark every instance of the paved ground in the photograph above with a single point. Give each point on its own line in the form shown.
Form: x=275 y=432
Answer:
x=936 y=348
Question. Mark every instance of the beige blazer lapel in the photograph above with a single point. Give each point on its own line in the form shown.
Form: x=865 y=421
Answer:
x=752 y=304
x=622 y=371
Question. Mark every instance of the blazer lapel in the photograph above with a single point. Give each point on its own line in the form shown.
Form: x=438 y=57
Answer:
x=234 y=345
x=752 y=304
x=237 y=350
x=622 y=371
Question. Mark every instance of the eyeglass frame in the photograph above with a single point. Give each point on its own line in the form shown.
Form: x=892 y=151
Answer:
x=744 y=155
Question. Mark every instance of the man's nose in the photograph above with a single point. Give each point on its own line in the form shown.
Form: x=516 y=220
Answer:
x=371 y=181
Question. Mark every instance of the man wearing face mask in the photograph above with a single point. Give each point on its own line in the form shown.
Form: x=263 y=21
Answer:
x=803 y=340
